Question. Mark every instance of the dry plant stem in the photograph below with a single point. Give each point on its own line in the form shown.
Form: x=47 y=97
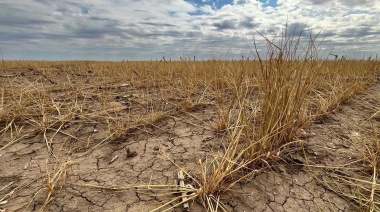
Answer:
x=373 y=190
x=52 y=180
x=360 y=197
x=191 y=193
x=7 y=196
x=375 y=157
x=12 y=142
x=183 y=195
x=365 y=185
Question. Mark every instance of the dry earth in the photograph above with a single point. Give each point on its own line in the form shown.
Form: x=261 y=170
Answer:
x=141 y=156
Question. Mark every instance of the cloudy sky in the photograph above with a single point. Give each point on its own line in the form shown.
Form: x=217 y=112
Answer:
x=145 y=29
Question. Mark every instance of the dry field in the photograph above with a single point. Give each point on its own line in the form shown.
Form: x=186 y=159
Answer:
x=290 y=133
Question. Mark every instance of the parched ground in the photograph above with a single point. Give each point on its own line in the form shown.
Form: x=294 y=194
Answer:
x=150 y=153
x=330 y=146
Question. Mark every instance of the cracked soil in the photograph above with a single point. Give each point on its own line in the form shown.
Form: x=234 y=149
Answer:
x=88 y=153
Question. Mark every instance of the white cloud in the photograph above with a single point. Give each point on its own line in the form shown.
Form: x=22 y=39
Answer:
x=142 y=29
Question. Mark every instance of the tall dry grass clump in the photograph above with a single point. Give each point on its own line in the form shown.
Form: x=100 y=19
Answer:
x=259 y=131
x=285 y=79
x=295 y=87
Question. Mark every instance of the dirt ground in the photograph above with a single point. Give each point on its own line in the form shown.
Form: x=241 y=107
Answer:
x=145 y=155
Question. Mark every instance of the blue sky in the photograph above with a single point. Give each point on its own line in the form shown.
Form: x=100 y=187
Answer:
x=145 y=29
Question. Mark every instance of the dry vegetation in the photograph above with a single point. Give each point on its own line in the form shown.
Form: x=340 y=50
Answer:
x=261 y=108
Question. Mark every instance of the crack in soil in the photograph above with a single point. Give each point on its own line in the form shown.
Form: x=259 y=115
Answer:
x=142 y=158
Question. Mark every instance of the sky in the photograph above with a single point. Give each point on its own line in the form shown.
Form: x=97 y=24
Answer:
x=150 y=29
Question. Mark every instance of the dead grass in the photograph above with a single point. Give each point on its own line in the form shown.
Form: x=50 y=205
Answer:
x=262 y=106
